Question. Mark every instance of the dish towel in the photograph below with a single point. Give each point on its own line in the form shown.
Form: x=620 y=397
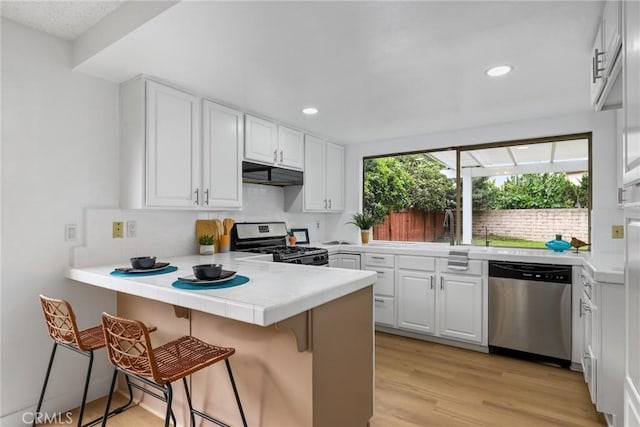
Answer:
x=236 y=281
x=458 y=260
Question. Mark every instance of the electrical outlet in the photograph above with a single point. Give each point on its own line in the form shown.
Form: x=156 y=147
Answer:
x=70 y=232
x=132 y=229
x=617 y=232
x=118 y=229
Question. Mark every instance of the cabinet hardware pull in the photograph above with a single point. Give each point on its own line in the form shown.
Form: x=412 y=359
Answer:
x=275 y=156
x=206 y=193
x=376 y=257
x=325 y=203
x=329 y=203
x=586 y=356
x=281 y=156
x=431 y=281
x=441 y=283
x=596 y=65
x=378 y=300
x=197 y=196
x=621 y=198
x=379 y=272
x=581 y=306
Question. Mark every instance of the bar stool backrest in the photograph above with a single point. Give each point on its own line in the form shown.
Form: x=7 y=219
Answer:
x=129 y=346
x=61 y=321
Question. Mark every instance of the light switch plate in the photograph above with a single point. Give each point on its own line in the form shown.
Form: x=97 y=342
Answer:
x=118 y=230
x=617 y=232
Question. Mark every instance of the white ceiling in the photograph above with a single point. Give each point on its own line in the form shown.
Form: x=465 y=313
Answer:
x=64 y=19
x=375 y=70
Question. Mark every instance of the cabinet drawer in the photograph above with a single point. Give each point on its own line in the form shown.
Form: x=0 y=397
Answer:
x=383 y=310
x=421 y=263
x=385 y=282
x=474 y=267
x=382 y=260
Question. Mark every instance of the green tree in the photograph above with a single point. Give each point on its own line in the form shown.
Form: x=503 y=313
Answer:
x=432 y=191
x=484 y=193
x=537 y=191
x=386 y=186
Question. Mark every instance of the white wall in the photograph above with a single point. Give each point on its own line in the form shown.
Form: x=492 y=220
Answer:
x=59 y=155
x=603 y=125
x=60 y=166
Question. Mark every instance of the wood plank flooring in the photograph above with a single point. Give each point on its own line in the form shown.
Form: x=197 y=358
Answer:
x=422 y=384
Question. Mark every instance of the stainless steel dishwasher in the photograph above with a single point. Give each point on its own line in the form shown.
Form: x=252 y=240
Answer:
x=530 y=310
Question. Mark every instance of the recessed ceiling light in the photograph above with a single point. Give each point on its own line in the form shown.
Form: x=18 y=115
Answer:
x=500 y=70
x=310 y=111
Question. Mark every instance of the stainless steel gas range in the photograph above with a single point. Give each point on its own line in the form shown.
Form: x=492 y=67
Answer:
x=271 y=238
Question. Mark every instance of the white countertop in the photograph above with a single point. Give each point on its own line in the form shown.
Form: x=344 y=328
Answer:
x=275 y=291
x=605 y=267
x=475 y=252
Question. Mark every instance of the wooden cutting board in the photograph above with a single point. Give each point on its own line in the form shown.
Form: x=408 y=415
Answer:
x=206 y=227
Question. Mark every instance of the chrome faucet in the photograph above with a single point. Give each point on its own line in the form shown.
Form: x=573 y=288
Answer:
x=449 y=221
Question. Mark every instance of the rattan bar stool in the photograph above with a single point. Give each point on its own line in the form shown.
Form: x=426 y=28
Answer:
x=129 y=349
x=62 y=327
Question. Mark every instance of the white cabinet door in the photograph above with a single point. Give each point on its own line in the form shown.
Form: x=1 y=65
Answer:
x=597 y=68
x=383 y=310
x=290 y=148
x=632 y=279
x=173 y=147
x=460 y=307
x=631 y=96
x=314 y=192
x=416 y=301
x=261 y=140
x=334 y=261
x=350 y=261
x=221 y=156
x=611 y=34
x=335 y=177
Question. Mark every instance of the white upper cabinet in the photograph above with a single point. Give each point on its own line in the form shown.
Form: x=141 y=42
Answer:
x=606 y=87
x=222 y=136
x=166 y=162
x=323 y=189
x=172 y=147
x=631 y=122
x=261 y=140
x=272 y=144
x=314 y=189
x=335 y=177
x=290 y=148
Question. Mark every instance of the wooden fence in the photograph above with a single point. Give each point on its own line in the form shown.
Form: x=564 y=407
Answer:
x=412 y=226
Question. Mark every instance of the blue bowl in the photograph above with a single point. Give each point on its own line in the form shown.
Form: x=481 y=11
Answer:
x=558 y=245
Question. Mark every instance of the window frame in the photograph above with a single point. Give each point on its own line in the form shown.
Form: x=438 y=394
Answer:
x=501 y=144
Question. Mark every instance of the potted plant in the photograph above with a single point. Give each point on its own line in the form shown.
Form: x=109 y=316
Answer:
x=364 y=221
x=206 y=244
x=292 y=238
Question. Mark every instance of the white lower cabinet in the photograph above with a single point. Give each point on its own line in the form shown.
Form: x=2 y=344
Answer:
x=384 y=288
x=416 y=301
x=460 y=307
x=349 y=261
x=438 y=302
x=603 y=346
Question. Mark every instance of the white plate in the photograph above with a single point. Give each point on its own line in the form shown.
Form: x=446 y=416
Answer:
x=192 y=279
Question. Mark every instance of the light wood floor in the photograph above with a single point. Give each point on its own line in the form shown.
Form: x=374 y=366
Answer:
x=420 y=384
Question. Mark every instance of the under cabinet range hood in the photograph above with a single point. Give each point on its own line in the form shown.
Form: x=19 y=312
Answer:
x=255 y=173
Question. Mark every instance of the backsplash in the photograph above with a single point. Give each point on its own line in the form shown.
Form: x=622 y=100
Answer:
x=166 y=233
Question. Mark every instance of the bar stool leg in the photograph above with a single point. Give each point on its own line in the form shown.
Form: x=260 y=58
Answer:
x=86 y=388
x=106 y=409
x=235 y=392
x=169 y=414
x=186 y=389
x=46 y=380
